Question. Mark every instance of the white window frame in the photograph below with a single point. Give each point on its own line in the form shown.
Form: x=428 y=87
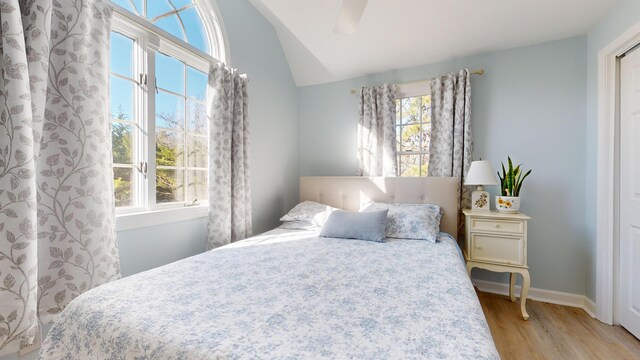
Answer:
x=414 y=89
x=149 y=40
x=418 y=88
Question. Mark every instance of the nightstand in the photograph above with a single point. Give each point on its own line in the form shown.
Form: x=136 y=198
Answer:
x=497 y=242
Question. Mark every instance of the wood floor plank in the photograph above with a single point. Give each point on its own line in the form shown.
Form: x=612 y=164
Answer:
x=554 y=332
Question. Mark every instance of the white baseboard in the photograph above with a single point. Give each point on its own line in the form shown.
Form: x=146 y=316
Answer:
x=548 y=296
x=589 y=307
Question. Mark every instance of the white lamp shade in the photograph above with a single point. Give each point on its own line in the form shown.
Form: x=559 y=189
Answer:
x=481 y=173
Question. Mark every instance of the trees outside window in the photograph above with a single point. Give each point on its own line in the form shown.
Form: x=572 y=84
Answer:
x=413 y=131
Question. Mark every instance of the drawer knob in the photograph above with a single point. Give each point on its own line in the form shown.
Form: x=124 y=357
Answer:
x=497 y=226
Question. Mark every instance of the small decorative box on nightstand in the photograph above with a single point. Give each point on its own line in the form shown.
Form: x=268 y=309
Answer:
x=498 y=242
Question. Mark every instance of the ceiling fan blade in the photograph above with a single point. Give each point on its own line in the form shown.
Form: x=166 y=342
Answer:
x=349 y=17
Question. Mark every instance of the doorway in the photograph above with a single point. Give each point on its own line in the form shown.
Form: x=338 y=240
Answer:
x=628 y=293
x=607 y=271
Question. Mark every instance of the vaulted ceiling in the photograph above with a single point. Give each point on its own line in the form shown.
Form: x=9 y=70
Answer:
x=396 y=34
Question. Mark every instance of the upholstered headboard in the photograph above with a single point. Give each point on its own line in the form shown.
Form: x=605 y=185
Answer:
x=350 y=192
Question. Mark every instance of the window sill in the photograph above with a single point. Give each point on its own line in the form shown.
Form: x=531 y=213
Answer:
x=159 y=217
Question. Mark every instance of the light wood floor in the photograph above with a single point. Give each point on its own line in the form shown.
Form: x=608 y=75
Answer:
x=554 y=332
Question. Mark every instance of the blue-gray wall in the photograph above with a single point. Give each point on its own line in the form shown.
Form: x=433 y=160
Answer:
x=146 y=248
x=530 y=104
x=273 y=103
x=255 y=50
x=613 y=25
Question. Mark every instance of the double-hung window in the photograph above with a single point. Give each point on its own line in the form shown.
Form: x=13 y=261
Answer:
x=161 y=51
x=413 y=129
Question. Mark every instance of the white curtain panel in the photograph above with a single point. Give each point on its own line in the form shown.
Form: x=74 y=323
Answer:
x=377 y=131
x=229 y=177
x=57 y=235
x=451 y=139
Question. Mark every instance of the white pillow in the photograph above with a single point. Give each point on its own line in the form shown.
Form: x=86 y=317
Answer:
x=307 y=215
x=298 y=225
x=410 y=221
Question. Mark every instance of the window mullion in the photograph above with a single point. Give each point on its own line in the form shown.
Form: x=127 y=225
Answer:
x=152 y=49
x=420 y=135
x=138 y=111
x=398 y=134
x=185 y=153
x=151 y=128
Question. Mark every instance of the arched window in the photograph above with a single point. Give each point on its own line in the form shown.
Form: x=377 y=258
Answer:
x=182 y=19
x=160 y=54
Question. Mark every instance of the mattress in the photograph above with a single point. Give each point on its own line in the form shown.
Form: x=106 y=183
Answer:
x=285 y=294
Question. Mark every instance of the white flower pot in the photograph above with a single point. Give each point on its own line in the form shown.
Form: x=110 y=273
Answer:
x=508 y=204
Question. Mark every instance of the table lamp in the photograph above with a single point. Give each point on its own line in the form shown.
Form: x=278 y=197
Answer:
x=480 y=174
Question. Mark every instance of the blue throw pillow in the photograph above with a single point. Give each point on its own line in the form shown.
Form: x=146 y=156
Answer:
x=351 y=225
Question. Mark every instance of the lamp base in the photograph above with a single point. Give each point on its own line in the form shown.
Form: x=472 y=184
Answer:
x=480 y=200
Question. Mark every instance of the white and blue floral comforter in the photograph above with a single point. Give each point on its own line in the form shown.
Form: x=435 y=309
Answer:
x=285 y=295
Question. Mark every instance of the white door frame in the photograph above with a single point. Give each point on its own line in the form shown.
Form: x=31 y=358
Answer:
x=607 y=263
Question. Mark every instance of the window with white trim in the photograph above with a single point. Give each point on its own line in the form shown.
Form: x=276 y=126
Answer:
x=413 y=133
x=160 y=55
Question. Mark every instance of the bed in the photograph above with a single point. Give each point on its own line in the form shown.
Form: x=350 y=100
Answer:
x=293 y=295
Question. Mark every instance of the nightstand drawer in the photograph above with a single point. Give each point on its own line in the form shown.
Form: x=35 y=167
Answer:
x=498 y=249
x=497 y=226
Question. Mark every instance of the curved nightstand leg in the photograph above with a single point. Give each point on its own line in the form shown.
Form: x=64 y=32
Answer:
x=523 y=294
x=512 y=285
x=469 y=267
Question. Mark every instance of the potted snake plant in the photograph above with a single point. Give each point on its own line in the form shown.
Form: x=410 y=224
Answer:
x=511 y=181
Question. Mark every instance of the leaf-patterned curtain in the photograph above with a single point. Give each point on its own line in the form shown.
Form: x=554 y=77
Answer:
x=57 y=235
x=451 y=145
x=377 y=131
x=229 y=177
